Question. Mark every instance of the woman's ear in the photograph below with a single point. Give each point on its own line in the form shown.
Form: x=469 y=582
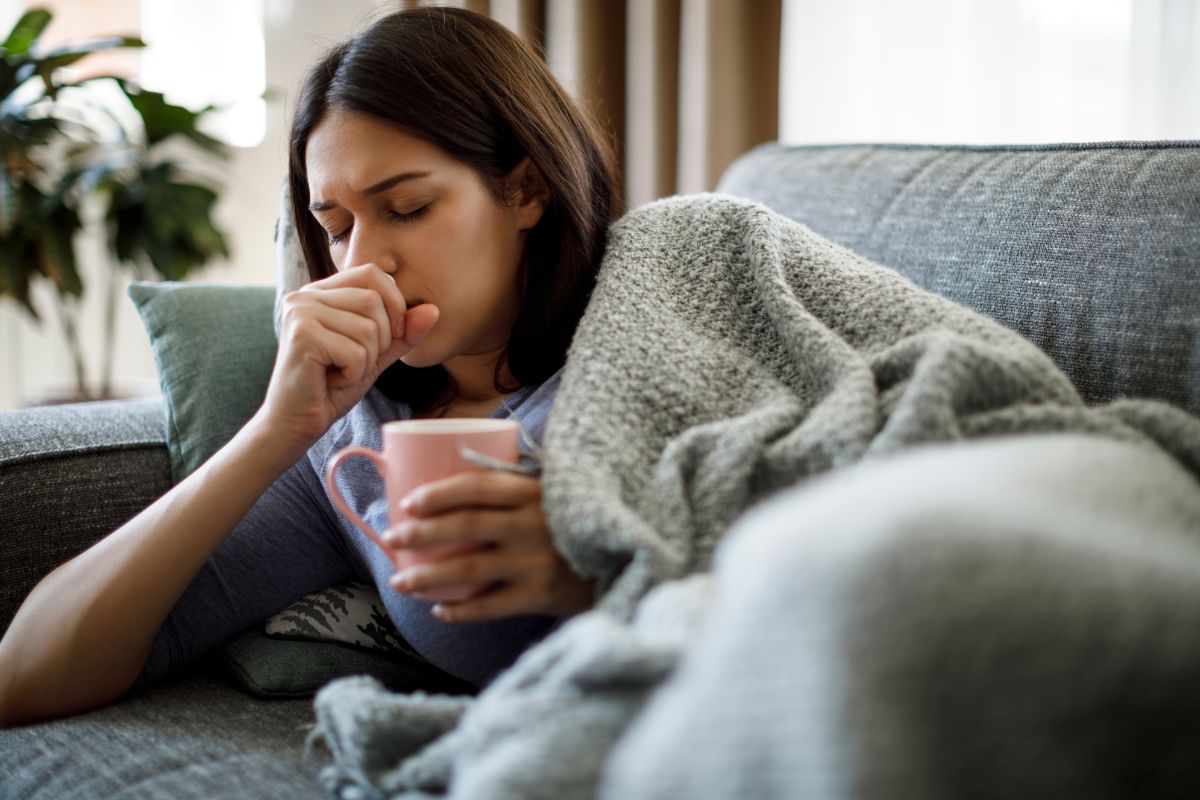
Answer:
x=528 y=192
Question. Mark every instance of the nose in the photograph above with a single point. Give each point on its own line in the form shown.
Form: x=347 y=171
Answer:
x=367 y=246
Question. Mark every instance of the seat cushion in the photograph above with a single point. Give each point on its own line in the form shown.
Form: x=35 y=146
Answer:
x=1091 y=250
x=194 y=737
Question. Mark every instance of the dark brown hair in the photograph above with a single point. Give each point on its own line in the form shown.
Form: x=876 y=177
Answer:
x=467 y=85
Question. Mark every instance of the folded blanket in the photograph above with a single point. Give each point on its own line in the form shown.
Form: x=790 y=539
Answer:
x=727 y=353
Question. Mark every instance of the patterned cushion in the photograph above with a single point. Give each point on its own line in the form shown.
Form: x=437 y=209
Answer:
x=351 y=613
x=292 y=668
x=339 y=631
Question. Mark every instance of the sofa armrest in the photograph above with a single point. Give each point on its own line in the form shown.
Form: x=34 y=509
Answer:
x=70 y=475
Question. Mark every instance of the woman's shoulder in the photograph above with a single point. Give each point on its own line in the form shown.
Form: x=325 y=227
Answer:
x=692 y=209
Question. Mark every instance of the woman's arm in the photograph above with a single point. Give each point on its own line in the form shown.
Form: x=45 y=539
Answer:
x=82 y=636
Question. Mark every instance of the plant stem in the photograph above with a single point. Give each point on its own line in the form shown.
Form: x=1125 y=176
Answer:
x=71 y=332
x=110 y=334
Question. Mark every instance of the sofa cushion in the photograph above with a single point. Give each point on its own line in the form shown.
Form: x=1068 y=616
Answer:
x=191 y=738
x=338 y=631
x=350 y=613
x=1090 y=250
x=70 y=475
x=290 y=668
x=214 y=347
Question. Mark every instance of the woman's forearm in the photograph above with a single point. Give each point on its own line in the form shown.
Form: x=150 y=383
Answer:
x=83 y=635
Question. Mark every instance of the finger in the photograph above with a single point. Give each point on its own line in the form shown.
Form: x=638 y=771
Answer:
x=419 y=321
x=479 y=567
x=364 y=302
x=523 y=525
x=370 y=276
x=486 y=488
x=346 y=357
x=320 y=318
x=505 y=600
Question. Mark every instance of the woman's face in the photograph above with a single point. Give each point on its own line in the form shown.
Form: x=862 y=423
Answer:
x=386 y=198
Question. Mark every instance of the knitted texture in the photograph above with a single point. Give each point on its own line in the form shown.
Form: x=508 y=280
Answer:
x=727 y=353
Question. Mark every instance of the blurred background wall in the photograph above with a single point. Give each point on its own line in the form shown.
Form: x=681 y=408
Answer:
x=685 y=86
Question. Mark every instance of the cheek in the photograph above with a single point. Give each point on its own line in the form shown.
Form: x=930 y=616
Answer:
x=480 y=247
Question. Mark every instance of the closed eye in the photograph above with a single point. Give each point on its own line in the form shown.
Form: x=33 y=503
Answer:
x=398 y=216
x=401 y=216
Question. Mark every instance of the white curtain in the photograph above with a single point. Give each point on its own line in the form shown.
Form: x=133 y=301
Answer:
x=990 y=71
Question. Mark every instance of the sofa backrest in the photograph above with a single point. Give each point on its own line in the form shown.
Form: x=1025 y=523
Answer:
x=1090 y=250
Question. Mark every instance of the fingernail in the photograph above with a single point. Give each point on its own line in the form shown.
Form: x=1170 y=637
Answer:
x=409 y=503
x=402 y=581
x=399 y=328
x=399 y=535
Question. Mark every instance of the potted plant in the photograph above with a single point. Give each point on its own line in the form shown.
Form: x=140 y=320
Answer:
x=146 y=167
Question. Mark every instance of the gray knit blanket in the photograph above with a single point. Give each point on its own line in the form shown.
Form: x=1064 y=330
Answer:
x=729 y=354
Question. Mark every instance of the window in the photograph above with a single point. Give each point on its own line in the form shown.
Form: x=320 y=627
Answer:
x=989 y=71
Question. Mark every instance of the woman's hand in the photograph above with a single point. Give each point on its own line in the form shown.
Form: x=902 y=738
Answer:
x=336 y=336
x=503 y=512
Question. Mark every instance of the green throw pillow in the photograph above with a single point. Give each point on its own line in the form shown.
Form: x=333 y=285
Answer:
x=287 y=668
x=214 y=347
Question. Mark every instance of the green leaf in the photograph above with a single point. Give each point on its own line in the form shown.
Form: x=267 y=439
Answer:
x=8 y=79
x=13 y=75
x=161 y=118
x=126 y=225
x=29 y=206
x=18 y=135
x=168 y=261
x=8 y=205
x=68 y=54
x=26 y=32
x=16 y=262
x=56 y=251
x=207 y=240
x=97 y=175
x=82 y=47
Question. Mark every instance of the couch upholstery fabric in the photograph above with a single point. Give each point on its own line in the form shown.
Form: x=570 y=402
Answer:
x=70 y=475
x=1092 y=251
x=194 y=738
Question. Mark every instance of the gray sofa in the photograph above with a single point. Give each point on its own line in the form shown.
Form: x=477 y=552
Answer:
x=1092 y=251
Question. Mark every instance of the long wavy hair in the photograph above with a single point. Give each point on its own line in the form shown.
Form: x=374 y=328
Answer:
x=469 y=86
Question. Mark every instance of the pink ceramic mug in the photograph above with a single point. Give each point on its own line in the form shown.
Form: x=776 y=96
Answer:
x=419 y=451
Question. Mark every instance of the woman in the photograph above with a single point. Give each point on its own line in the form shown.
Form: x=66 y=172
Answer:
x=452 y=202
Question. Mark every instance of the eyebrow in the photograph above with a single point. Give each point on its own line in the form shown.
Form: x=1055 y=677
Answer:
x=382 y=186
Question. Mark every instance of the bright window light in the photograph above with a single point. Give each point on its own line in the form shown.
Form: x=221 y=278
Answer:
x=202 y=52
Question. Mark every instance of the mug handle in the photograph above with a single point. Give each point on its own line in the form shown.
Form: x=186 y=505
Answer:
x=331 y=473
